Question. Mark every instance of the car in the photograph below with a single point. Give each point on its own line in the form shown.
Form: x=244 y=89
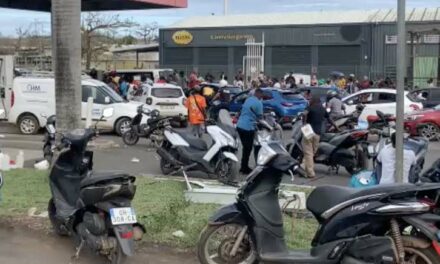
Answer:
x=429 y=97
x=169 y=99
x=380 y=99
x=424 y=123
x=285 y=103
x=33 y=98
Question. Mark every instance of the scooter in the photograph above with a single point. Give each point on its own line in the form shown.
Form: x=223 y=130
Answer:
x=181 y=152
x=94 y=208
x=367 y=226
x=347 y=149
x=347 y=122
x=49 y=138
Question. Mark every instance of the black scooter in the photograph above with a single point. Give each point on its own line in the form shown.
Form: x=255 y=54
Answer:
x=94 y=208
x=347 y=149
x=381 y=225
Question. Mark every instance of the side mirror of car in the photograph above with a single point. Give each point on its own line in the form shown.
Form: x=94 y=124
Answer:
x=107 y=100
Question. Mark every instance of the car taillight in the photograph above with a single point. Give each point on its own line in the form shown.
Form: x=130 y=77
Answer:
x=12 y=98
x=286 y=104
x=414 y=107
x=149 y=101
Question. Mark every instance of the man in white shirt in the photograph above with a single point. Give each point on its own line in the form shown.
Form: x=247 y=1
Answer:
x=387 y=156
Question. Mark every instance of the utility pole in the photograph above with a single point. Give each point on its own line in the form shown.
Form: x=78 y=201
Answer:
x=66 y=62
x=401 y=72
x=225 y=2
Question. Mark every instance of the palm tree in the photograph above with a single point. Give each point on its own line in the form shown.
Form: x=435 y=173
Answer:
x=66 y=54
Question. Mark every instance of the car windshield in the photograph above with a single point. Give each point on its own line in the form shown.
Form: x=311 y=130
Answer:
x=116 y=98
x=292 y=96
x=233 y=90
x=225 y=122
x=166 y=73
x=166 y=92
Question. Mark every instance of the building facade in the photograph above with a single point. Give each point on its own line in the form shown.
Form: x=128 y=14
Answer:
x=360 y=43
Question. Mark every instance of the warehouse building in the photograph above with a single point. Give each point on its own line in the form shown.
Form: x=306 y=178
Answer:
x=358 y=42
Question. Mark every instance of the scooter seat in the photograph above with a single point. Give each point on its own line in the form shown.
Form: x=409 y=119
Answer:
x=193 y=141
x=96 y=177
x=326 y=137
x=324 y=198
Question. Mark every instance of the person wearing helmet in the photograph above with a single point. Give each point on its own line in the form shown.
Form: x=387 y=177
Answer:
x=196 y=105
x=335 y=106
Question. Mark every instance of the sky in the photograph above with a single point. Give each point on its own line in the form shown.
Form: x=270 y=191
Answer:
x=11 y=19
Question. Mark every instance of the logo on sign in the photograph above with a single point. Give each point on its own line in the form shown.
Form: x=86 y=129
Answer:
x=33 y=88
x=182 y=37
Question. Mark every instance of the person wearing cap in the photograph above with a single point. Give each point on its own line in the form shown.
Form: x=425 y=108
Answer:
x=196 y=105
x=251 y=112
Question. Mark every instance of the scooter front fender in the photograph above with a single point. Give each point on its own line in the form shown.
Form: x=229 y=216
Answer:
x=226 y=215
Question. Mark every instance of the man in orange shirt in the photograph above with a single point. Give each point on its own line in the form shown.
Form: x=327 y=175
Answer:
x=196 y=104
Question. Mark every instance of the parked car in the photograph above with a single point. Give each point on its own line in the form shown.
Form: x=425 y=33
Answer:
x=285 y=104
x=380 y=99
x=169 y=99
x=429 y=97
x=424 y=123
x=34 y=97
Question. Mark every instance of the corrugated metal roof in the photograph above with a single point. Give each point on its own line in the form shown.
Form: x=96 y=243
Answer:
x=309 y=18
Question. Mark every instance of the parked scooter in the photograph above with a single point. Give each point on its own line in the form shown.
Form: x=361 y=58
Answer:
x=181 y=152
x=347 y=122
x=49 y=138
x=356 y=227
x=94 y=208
x=347 y=149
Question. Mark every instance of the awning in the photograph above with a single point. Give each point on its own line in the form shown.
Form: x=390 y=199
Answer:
x=97 y=5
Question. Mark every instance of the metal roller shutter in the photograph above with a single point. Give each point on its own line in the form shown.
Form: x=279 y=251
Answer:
x=213 y=56
x=339 y=55
x=291 y=55
x=178 y=56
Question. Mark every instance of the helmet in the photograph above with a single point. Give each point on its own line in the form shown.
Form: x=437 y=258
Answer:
x=223 y=83
x=331 y=94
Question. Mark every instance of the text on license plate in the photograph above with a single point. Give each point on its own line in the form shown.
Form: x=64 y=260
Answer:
x=166 y=107
x=122 y=216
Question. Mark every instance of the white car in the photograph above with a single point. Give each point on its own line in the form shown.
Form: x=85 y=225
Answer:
x=169 y=99
x=380 y=99
x=34 y=97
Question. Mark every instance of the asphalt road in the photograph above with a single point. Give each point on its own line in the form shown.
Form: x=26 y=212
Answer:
x=121 y=157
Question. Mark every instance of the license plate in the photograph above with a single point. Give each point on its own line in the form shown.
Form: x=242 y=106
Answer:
x=123 y=216
x=166 y=107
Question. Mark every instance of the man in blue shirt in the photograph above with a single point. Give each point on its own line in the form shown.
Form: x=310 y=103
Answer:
x=251 y=111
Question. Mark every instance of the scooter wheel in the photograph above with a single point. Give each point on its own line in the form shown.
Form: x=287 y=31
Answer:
x=57 y=226
x=118 y=256
x=220 y=253
x=130 y=138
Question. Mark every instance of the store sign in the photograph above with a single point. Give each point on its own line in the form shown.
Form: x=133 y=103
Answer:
x=182 y=37
x=234 y=37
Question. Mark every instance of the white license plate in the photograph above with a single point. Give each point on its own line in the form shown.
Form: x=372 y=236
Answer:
x=167 y=107
x=123 y=216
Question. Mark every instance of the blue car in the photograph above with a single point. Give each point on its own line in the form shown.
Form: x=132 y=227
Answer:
x=285 y=104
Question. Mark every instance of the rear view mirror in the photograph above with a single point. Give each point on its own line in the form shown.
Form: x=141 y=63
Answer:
x=107 y=100
x=108 y=112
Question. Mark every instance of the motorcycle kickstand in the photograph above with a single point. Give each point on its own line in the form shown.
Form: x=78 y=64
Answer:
x=78 y=250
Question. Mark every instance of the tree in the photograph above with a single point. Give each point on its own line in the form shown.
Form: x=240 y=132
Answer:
x=66 y=54
x=148 y=32
x=97 y=30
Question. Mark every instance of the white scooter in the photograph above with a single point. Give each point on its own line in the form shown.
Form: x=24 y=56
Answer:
x=181 y=152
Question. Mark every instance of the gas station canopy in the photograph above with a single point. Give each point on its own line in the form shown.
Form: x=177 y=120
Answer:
x=96 y=5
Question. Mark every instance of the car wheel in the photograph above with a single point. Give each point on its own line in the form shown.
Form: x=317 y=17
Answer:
x=28 y=125
x=429 y=131
x=122 y=125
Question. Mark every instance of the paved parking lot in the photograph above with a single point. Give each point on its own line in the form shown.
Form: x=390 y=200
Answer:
x=120 y=157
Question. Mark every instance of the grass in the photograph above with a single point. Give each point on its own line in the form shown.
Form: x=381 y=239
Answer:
x=160 y=206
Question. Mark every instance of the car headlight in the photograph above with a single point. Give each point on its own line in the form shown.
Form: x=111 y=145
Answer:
x=413 y=117
x=265 y=154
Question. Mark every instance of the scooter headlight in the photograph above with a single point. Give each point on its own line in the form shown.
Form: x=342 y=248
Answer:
x=265 y=154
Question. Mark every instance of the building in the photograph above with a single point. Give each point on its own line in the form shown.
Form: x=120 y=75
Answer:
x=358 y=42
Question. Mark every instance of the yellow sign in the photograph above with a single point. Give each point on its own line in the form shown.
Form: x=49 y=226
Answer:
x=182 y=37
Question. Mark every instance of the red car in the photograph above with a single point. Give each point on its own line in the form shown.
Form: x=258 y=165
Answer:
x=425 y=123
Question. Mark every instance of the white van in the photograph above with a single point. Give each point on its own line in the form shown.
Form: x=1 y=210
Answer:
x=152 y=74
x=33 y=97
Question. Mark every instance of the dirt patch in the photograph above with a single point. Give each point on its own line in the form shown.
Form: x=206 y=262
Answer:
x=30 y=241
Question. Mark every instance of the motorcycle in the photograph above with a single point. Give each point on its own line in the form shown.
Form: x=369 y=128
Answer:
x=49 y=137
x=347 y=149
x=347 y=122
x=181 y=152
x=152 y=130
x=386 y=224
x=94 y=208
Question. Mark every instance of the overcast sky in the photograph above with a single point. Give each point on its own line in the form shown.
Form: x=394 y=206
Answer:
x=11 y=19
